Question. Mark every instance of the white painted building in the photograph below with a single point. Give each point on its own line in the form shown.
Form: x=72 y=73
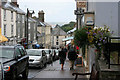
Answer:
x=106 y=13
x=8 y=21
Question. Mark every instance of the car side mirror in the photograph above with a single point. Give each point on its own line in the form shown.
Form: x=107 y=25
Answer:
x=19 y=56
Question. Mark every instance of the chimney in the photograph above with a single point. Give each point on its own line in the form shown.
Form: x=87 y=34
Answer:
x=15 y=3
x=41 y=15
x=30 y=12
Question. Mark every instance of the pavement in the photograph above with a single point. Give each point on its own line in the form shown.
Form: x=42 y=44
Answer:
x=53 y=71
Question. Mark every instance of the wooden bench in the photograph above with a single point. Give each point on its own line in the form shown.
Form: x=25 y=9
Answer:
x=94 y=75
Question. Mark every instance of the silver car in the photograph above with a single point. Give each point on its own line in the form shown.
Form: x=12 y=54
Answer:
x=37 y=58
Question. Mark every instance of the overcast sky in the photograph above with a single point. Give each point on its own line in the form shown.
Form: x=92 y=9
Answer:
x=55 y=10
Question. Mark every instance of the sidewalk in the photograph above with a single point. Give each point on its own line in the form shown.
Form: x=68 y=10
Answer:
x=54 y=71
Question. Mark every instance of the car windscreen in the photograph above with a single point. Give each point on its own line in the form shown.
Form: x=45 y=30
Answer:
x=34 y=52
x=6 y=52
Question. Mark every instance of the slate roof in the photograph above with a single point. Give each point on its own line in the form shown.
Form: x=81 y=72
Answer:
x=31 y=20
x=57 y=31
x=11 y=6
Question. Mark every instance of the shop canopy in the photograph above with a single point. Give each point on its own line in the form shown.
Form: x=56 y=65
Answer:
x=67 y=39
x=3 y=38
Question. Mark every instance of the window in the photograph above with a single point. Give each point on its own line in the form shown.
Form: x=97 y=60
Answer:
x=5 y=29
x=34 y=36
x=17 y=51
x=12 y=30
x=57 y=37
x=28 y=25
x=22 y=51
x=18 y=32
x=57 y=43
x=11 y=15
x=23 y=19
x=18 y=16
x=4 y=14
x=29 y=36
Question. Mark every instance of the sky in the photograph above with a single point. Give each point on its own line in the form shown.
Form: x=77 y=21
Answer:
x=55 y=10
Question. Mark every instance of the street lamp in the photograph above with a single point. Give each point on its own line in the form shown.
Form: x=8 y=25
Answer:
x=79 y=12
x=26 y=31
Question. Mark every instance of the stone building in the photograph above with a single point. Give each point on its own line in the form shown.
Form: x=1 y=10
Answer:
x=57 y=36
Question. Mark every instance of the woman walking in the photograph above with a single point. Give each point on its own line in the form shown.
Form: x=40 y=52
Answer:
x=62 y=57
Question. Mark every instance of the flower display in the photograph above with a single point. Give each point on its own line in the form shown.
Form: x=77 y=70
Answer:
x=88 y=35
x=81 y=36
x=98 y=36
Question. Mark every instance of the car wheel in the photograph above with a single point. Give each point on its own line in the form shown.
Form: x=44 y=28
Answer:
x=25 y=74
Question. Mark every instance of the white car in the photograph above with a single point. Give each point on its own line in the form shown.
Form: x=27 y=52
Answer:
x=49 y=55
x=37 y=58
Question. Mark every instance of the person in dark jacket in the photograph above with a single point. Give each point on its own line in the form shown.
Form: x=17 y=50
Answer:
x=72 y=56
x=62 y=57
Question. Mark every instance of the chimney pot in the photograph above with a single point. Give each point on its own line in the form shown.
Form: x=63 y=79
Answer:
x=41 y=15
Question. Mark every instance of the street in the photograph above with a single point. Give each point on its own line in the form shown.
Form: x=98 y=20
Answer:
x=53 y=71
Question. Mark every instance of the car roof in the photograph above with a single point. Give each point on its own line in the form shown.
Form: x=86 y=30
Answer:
x=7 y=46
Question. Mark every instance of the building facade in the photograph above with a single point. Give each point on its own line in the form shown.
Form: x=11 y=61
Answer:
x=44 y=30
x=57 y=36
x=106 y=13
x=8 y=22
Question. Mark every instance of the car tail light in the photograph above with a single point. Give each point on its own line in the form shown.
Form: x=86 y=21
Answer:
x=6 y=68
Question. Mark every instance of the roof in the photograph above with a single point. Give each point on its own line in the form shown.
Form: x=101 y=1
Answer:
x=57 y=31
x=31 y=19
x=71 y=31
x=46 y=24
x=11 y=6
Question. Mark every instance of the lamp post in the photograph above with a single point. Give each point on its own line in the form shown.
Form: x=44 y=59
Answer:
x=26 y=31
x=79 y=13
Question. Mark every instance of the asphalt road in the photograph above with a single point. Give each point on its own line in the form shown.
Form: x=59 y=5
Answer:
x=33 y=72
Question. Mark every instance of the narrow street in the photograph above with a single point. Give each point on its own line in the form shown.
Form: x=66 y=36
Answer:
x=53 y=71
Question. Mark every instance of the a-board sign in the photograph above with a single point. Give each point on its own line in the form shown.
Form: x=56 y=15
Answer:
x=79 y=61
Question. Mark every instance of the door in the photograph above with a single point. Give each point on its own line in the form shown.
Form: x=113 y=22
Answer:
x=18 y=61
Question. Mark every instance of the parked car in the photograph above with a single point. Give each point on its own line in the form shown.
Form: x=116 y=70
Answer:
x=37 y=58
x=1 y=71
x=49 y=55
x=15 y=62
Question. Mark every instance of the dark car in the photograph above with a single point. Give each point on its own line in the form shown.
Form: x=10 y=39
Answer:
x=15 y=61
x=1 y=72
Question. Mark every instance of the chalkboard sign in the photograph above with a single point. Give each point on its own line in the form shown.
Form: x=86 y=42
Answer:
x=79 y=61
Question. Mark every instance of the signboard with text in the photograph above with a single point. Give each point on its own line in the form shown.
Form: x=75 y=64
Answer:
x=81 y=4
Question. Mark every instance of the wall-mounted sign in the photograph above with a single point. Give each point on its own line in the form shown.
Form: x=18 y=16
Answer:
x=81 y=4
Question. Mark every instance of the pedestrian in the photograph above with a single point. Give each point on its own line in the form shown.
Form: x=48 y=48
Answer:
x=62 y=57
x=72 y=56
x=54 y=55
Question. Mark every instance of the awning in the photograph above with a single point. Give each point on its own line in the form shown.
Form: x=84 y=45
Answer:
x=68 y=42
x=68 y=38
x=3 y=38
